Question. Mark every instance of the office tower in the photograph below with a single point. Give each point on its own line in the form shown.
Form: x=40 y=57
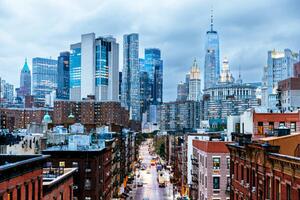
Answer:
x=180 y=116
x=182 y=92
x=145 y=91
x=63 y=75
x=195 y=83
x=6 y=91
x=131 y=76
x=94 y=68
x=212 y=62
x=44 y=77
x=25 y=82
x=153 y=65
x=120 y=85
x=279 y=67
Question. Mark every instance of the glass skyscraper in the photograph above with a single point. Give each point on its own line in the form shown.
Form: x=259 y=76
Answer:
x=44 y=77
x=131 y=76
x=63 y=75
x=94 y=68
x=212 y=58
x=154 y=67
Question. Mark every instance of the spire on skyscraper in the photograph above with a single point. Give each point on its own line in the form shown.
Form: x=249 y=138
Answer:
x=25 y=66
x=212 y=20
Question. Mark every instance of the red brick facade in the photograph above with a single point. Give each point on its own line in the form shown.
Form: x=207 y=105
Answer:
x=258 y=171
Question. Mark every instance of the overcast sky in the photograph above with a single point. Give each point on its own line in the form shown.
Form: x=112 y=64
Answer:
x=247 y=30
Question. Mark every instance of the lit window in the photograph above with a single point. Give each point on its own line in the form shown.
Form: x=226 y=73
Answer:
x=216 y=163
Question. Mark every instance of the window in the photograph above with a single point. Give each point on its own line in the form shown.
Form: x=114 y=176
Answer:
x=248 y=175
x=293 y=126
x=237 y=171
x=242 y=172
x=271 y=126
x=87 y=184
x=39 y=189
x=228 y=163
x=19 y=193
x=33 y=191
x=27 y=192
x=268 y=187
x=74 y=164
x=278 y=189
x=288 y=192
x=10 y=196
x=281 y=124
x=216 y=183
x=253 y=177
x=216 y=163
x=260 y=128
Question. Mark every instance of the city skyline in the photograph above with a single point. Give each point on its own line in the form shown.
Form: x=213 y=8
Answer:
x=245 y=32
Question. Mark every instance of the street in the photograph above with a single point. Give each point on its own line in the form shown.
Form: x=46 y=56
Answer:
x=150 y=188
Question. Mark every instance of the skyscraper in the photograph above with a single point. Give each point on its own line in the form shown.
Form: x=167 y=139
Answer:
x=25 y=82
x=151 y=68
x=182 y=92
x=44 y=77
x=195 y=83
x=63 y=75
x=131 y=76
x=6 y=92
x=279 y=67
x=94 y=68
x=154 y=67
x=212 y=62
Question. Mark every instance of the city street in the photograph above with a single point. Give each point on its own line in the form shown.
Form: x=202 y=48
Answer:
x=150 y=189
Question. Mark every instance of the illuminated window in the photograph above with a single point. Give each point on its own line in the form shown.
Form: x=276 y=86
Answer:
x=216 y=163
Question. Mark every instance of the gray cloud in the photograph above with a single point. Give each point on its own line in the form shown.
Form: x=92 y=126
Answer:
x=247 y=30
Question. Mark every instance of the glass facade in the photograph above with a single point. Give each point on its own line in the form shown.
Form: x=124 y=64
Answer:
x=75 y=67
x=44 y=76
x=101 y=76
x=131 y=76
x=153 y=65
x=212 y=58
x=63 y=76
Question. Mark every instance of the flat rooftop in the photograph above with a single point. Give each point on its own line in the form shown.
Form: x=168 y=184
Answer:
x=12 y=161
x=78 y=148
x=52 y=176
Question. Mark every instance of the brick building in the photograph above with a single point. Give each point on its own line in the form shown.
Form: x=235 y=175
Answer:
x=289 y=94
x=58 y=183
x=210 y=172
x=21 y=176
x=261 y=124
x=90 y=113
x=268 y=168
x=93 y=178
x=20 y=118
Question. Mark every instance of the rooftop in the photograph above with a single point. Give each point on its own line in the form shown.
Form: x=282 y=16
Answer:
x=12 y=161
x=77 y=148
x=52 y=176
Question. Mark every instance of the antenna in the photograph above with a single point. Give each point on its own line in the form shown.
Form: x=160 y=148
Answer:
x=211 y=19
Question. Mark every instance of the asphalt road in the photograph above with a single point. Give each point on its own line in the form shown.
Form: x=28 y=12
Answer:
x=150 y=187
